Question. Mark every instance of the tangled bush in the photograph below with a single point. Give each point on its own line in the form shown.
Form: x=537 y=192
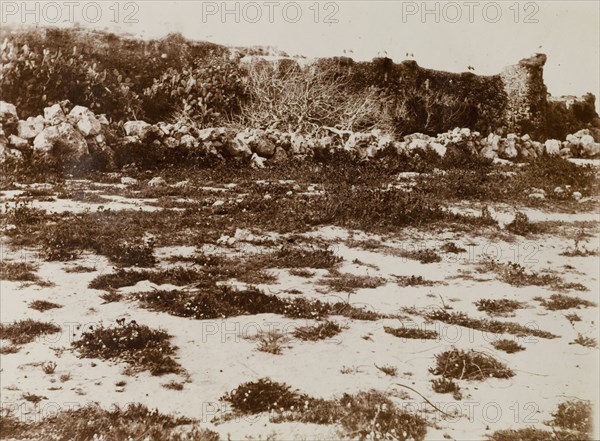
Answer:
x=141 y=347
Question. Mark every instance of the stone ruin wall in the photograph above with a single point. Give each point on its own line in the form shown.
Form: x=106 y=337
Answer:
x=527 y=95
x=517 y=96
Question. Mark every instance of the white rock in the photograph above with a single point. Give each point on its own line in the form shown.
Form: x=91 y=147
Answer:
x=218 y=203
x=238 y=147
x=494 y=141
x=205 y=134
x=181 y=184
x=576 y=195
x=44 y=141
x=257 y=161
x=86 y=121
x=9 y=154
x=418 y=144
x=553 y=146
x=188 y=141
x=18 y=142
x=438 y=148
x=408 y=175
x=536 y=196
x=129 y=181
x=102 y=119
x=7 y=110
x=72 y=142
x=156 y=182
x=589 y=147
x=572 y=139
x=510 y=152
x=141 y=129
x=488 y=152
x=31 y=128
x=54 y=114
x=558 y=190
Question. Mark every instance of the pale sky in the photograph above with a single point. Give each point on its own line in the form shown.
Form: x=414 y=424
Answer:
x=451 y=36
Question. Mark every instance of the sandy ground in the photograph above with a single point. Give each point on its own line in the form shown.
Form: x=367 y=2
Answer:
x=217 y=357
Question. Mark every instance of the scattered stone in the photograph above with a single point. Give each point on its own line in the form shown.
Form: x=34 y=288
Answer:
x=536 y=196
x=170 y=142
x=181 y=184
x=188 y=141
x=17 y=142
x=553 y=146
x=257 y=162
x=129 y=181
x=85 y=120
x=141 y=129
x=157 y=182
x=30 y=128
x=63 y=140
x=237 y=147
x=54 y=114
x=576 y=195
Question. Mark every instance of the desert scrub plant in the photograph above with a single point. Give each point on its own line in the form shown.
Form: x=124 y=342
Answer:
x=80 y=269
x=452 y=248
x=49 y=367
x=508 y=346
x=405 y=281
x=271 y=342
x=298 y=258
x=301 y=272
x=263 y=395
x=516 y=275
x=111 y=296
x=26 y=331
x=350 y=283
x=211 y=301
x=572 y=421
x=572 y=318
x=388 y=370
x=173 y=385
x=586 y=342
x=576 y=415
x=18 y=271
x=43 y=305
x=533 y=434
x=558 y=302
x=521 y=225
x=446 y=386
x=487 y=325
x=412 y=333
x=33 y=398
x=425 y=255
x=498 y=306
x=90 y=422
x=9 y=349
x=469 y=365
x=124 y=277
x=143 y=348
x=365 y=415
x=320 y=331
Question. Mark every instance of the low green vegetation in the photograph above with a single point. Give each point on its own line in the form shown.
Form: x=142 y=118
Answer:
x=362 y=416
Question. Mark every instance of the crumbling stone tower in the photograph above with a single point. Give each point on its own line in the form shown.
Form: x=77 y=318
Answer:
x=526 y=108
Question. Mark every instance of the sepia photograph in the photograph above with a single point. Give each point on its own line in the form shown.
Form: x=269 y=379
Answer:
x=299 y=220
